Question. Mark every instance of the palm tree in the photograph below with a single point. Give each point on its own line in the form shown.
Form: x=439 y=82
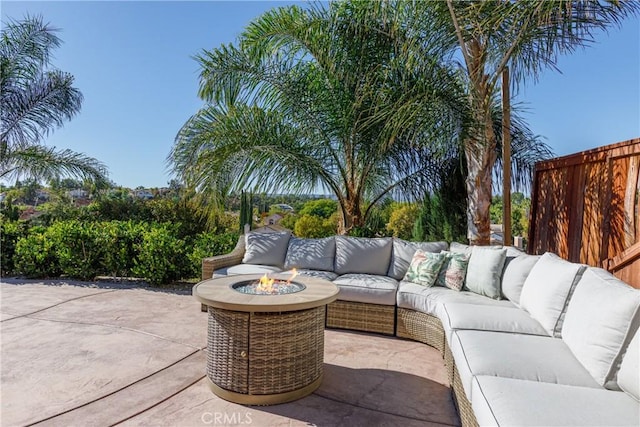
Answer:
x=321 y=99
x=34 y=100
x=527 y=36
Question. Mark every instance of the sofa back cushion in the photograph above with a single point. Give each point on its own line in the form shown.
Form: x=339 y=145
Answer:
x=402 y=254
x=266 y=248
x=629 y=374
x=601 y=319
x=547 y=289
x=311 y=254
x=485 y=270
x=363 y=255
x=515 y=272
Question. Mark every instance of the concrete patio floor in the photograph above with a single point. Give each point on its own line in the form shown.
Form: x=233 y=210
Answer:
x=102 y=354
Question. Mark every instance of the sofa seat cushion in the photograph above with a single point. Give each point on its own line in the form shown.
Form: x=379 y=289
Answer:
x=601 y=319
x=512 y=402
x=311 y=254
x=367 y=288
x=247 y=269
x=547 y=290
x=488 y=318
x=266 y=248
x=326 y=275
x=429 y=300
x=524 y=357
x=403 y=251
x=363 y=255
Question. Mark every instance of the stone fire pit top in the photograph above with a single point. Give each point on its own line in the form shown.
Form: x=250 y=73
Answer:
x=219 y=293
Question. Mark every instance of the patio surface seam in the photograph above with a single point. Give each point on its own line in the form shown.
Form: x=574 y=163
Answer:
x=119 y=390
x=124 y=328
x=380 y=411
x=18 y=316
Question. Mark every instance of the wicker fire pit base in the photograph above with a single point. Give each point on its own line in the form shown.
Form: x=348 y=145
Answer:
x=265 y=349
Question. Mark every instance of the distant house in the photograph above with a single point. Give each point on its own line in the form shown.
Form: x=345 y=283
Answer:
x=143 y=194
x=275 y=228
x=283 y=207
x=78 y=194
x=272 y=219
x=42 y=196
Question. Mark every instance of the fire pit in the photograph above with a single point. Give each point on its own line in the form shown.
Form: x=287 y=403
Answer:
x=265 y=343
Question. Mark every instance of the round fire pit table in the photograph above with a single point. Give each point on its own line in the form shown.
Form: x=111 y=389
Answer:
x=265 y=349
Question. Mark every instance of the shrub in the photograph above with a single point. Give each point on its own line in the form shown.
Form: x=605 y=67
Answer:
x=10 y=233
x=120 y=240
x=314 y=227
x=402 y=220
x=209 y=244
x=161 y=256
x=77 y=248
x=35 y=255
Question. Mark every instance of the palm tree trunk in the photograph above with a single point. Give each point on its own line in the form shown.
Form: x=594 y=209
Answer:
x=351 y=216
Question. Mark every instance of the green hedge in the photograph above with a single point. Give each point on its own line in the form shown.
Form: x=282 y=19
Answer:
x=154 y=251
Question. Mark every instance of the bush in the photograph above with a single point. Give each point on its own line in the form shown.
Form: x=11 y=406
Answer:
x=162 y=256
x=35 y=255
x=10 y=233
x=77 y=247
x=121 y=240
x=314 y=227
x=207 y=245
x=402 y=221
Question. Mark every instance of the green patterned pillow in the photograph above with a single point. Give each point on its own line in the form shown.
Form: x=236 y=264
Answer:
x=453 y=271
x=424 y=268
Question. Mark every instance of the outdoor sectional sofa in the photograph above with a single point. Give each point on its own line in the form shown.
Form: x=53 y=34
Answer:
x=529 y=340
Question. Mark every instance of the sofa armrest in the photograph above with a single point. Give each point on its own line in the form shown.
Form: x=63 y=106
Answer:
x=209 y=265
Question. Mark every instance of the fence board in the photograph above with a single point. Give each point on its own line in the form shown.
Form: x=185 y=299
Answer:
x=586 y=208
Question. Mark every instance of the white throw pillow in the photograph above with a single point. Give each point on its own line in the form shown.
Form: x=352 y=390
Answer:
x=516 y=270
x=485 y=271
x=629 y=374
x=602 y=317
x=266 y=248
x=311 y=254
x=547 y=290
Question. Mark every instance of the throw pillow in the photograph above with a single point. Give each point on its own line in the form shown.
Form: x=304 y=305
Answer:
x=403 y=253
x=453 y=271
x=424 y=268
x=485 y=270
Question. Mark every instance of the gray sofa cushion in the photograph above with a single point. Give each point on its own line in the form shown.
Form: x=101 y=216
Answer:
x=515 y=272
x=311 y=254
x=489 y=318
x=525 y=357
x=510 y=402
x=247 y=269
x=403 y=251
x=547 y=290
x=629 y=373
x=326 y=275
x=363 y=255
x=430 y=300
x=601 y=319
x=367 y=288
x=266 y=248
x=484 y=271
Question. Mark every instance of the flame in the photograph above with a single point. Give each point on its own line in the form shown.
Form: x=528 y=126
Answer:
x=266 y=284
x=294 y=273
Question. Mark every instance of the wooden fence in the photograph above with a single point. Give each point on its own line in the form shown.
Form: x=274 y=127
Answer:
x=585 y=207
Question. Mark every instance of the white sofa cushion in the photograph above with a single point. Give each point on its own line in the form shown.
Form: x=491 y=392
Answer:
x=547 y=289
x=266 y=248
x=311 y=254
x=430 y=300
x=601 y=319
x=511 y=402
x=516 y=270
x=629 y=373
x=367 y=288
x=363 y=255
x=403 y=251
x=524 y=357
x=246 y=269
x=485 y=271
x=488 y=318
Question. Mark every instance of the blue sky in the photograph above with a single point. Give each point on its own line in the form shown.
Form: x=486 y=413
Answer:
x=133 y=63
